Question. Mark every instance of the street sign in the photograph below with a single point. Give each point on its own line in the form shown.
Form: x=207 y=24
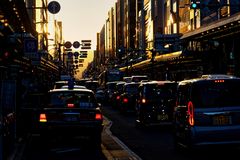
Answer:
x=80 y=60
x=86 y=44
x=76 y=44
x=31 y=48
x=83 y=47
x=76 y=54
x=81 y=52
x=83 y=56
x=30 y=45
x=86 y=41
x=68 y=44
x=70 y=54
x=54 y=7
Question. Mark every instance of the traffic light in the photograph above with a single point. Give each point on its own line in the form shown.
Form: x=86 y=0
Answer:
x=195 y=4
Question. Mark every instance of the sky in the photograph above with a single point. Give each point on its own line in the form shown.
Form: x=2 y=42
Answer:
x=83 y=19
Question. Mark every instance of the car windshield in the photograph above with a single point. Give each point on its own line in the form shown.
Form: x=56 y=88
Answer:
x=132 y=88
x=111 y=86
x=217 y=94
x=165 y=91
x=81 y=100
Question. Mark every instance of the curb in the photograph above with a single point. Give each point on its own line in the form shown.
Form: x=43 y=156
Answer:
x=113 y=148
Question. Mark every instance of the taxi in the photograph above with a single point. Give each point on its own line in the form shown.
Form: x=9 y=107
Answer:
x=71 y=112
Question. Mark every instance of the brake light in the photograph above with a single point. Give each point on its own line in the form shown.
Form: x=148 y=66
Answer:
x=43 y=117
x=125 y=100
x=98 y=116
x=144 y=100
x=70 y=105
x=190 y=112
x=118 y=97
x=219 y=81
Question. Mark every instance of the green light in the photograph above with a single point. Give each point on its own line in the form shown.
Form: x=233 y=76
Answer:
x=194 y=5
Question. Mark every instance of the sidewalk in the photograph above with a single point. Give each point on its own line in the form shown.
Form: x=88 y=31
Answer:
x=18 y=150
x=113 y=148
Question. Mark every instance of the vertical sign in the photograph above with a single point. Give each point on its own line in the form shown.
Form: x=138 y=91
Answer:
x=31 y=48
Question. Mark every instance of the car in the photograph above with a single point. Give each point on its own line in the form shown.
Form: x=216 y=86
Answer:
x=100 y=95
x=110 y=88
x=115 y=99
x=207 y=112
x=71 y=113
x=59 y=84
x=75 y=86
x=128 y=97
x=92 y=85
x=155 y=103
x=82 y=81
x=139 y=78
x=127 y=79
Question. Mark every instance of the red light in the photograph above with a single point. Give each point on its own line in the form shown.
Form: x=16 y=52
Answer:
x=6 y=54
x=219 y=81
x=125 y=100
x=118 y=97
x=98 y=116
x=190 y=112
x=43 y=117
x=70 y=105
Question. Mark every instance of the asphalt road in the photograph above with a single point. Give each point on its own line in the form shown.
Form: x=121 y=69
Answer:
x=156 y=142
x=34 y=148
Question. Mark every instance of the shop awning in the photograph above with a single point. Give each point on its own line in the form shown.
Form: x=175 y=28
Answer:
x=216 y=26
x=159 y=58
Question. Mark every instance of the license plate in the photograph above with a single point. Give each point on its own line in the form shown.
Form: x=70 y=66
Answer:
x=71 y=118
x=222 y=120
x=162 y=117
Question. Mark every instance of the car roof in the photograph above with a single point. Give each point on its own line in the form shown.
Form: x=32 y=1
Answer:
x=158 y=82
x=71 y=90
x=61 y=82
x=75 y=86
x=209 y=77
x=113 y=82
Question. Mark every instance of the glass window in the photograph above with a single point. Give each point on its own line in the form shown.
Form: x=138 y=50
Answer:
x=132 y=88
x=220 y=94
x=77 y=98
x=182 y=95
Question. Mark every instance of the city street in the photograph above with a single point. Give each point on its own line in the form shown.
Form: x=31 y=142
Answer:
x=121 y=140
x=111 y=148
x=156 y=142
x=76 y=76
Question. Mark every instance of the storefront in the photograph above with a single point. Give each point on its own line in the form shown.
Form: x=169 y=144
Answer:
x=218 y=43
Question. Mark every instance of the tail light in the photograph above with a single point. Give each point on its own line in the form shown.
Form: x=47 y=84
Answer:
x=43 y=117
x=125 y=100
x=70 y=105
x=144 y=100
x=98 y=116
x=118 y=97
x=190 y=113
